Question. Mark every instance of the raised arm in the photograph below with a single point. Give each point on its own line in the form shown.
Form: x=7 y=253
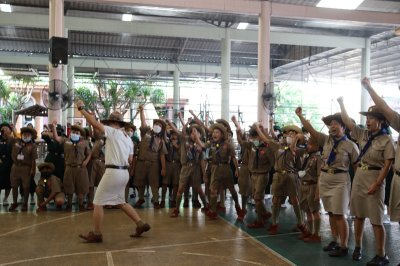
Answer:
x=388 y=112
x=173 y=127
x=89 y=117
x=181 y=118
x=197 y=120
x=142 y=117
x=307 y=125
x=345 y=117
x=238 y=130
x=56 y=137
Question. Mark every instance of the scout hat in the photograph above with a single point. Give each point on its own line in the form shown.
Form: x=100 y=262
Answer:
x=221 y=128
x=375 y=112
x=162 y=122
x=115 y=117
x=80 y=129
x=30 y=130
x=43 y=165
x=289 y=128
x=225 y=124
x=5 y=124
x=336 y=116
x=198 y=128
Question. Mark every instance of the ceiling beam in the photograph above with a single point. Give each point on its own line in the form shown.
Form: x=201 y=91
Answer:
x=278 y=10
x=129 y=65
x=180 y=31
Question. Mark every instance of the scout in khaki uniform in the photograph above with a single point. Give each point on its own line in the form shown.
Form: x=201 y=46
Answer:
x=24 y=155
x=309 y=193
x=98 y=168
x=49 y=188
x=338 y=154
x=77 y=156
x=284 y=181
x=244 y=181
x=152 y=151
x=191 y=156
x=6 y=144
x=221 y=152
x=368 y=188
x=261 y=161
x=173 y=165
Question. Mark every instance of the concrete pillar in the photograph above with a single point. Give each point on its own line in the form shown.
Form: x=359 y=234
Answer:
x=225 y=74
x=177 y=96
x=56 y=28
x=264 y=23
x=64 y=115
x=71 y=86
x=365 y=72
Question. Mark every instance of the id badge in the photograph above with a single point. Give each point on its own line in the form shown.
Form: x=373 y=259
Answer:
x=20 y=157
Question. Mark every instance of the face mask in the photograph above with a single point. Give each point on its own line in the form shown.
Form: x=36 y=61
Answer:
x=75 y=137
x=289 y=140
x=256 y=143
x=156 y=129
x=130 y=134
x=27 y=139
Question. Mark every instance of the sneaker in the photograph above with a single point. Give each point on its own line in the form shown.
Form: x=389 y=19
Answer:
x=5 y=202
x=357 y=255
x=139 y=203
x=331 y=246
x=162 y=204
x=378 y=261
x=256 y=224
x=273 y=229
x=339 y=252
x=175 y=213
x=312 y=239
x=91 y=237
x=141 y=229
x=13 y=207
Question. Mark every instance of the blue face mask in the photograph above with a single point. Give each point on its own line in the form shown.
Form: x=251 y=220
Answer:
x=74 y=137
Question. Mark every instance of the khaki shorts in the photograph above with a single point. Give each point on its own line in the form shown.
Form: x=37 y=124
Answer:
x=221 y=177
x=20 y=175
x=147 y=173
x=190 y=175
x=76 y=180
x=284 y=185
x=172 y=173
x=260 y=182
x=244 y=181
x=307 y=198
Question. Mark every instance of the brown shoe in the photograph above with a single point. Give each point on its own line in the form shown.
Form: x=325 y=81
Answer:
x=212 y=215
x=141 y=229
x=256 y=224
x=91 y=237
x=24 y=207
x=139 y=203
x=156 y=205
x=175 y=213
x=162 y=204
x=313 y=239
x=273 y=229
x=90 y=206
x=13 y=207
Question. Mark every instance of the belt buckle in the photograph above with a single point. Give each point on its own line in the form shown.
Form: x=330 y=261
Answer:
x=284 y=172
x=364 y=167
x=331 y=171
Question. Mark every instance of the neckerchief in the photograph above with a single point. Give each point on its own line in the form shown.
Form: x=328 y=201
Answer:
x=332 y=154
x=371 y=137
x=258 y=152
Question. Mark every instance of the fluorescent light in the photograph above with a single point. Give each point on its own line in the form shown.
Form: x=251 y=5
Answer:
x=127 y=17
x=242 y=25
x=340 y=4
x=5 y=8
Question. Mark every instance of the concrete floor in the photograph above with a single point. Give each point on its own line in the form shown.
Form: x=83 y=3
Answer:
x=51 y=238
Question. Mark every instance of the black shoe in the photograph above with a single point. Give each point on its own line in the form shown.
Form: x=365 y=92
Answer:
x=340 y=252
x=331 y=246
x=357 y=254
x=378 y=261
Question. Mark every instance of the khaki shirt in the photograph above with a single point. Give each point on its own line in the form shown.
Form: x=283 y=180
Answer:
x=220 y=153
x=97 y=150
x=190 y=152
x=174 y=153
x=22 y=153
x=347 y=152
x=52 y=184
x=395 y=124
x=312 y=167
x=75 y=153
x=245 y=152
x=147 y=153
x=261 y=159
x=381 y=149
x=285 y=160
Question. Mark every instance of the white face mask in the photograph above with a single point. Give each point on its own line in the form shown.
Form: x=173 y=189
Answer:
x=157 y=129
x=74 y=137
x=130 y=134
x=289 y=140
x=26 y=139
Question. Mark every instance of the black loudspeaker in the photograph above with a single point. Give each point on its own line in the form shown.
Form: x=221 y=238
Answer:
x=58 y=54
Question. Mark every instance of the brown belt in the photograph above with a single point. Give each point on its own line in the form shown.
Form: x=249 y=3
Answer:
x=284 y=172
x=333 y=171
x=74 y=165
x=366 y=167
